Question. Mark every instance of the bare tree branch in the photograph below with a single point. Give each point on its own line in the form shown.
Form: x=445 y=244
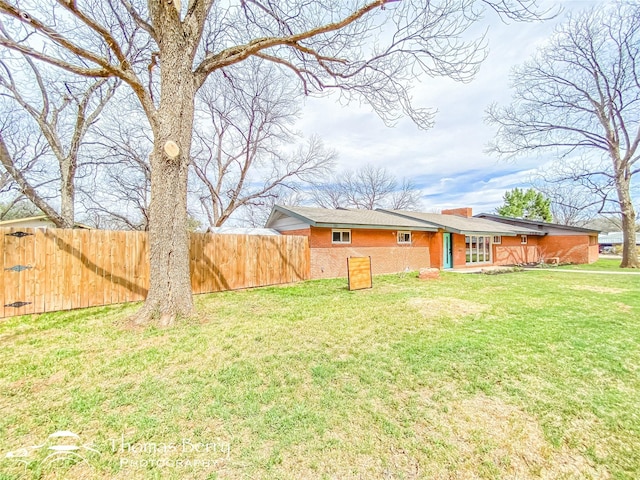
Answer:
x=579 y=95
x=367 y=188
x=243 y=143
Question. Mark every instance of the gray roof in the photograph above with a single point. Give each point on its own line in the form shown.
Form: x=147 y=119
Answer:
x=349 y=218
x=396 y=219
x=534 y=223
x=467 y=225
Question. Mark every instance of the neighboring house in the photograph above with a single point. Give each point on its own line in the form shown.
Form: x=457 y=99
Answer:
x=402 y=240
x=609 y=241
x=41 y=221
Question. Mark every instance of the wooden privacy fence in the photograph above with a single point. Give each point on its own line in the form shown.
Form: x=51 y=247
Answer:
x=45 y=270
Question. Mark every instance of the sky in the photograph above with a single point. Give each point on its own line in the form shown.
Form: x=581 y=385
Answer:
x=449 y=162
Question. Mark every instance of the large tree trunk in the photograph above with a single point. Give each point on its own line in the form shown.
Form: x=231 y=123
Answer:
x=67 y=194
x=629 y=249
x=170 y=293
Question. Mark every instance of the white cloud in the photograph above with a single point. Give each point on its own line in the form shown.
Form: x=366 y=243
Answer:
x=449 y=161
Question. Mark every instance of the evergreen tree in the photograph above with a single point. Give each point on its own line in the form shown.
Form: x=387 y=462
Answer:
x=530 y=205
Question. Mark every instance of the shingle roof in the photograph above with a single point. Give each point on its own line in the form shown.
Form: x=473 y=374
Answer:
x=536 y=223
x=349 y=218
x=466 y=225
x=398 y=219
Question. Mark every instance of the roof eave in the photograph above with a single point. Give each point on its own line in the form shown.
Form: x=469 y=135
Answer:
x=279 y=209
x=376 y=227
x=497 y=233
x=534 y=222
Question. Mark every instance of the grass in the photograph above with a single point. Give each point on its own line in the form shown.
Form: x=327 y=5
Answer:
x=522 y=375
x=603 y=264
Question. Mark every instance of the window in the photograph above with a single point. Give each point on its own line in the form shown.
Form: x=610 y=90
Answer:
x=523 y=239
x=404 y=237
x=497 y=239
x=340 y=236
x=478 y=249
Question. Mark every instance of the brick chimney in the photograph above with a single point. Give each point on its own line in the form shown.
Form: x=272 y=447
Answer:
x=463 y=212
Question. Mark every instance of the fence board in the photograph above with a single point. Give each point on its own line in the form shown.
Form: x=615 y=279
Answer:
x=29 y=277
x=39 y=278
x=66 y=264
x=197 y=263
x=20 y=259
x=14 y=285
x=3 y=299
x=54 y=278
x=97 y=282
x=84 y=242
x=117 y=257
x=82 y=268
x=208 y=256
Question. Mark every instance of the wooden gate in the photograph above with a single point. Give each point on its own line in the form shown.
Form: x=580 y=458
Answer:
x=45 y=270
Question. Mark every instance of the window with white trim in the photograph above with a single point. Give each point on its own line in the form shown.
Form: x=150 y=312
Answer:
x=340 y=236
x=497 y=239
x=523 y=239
x=404 y=237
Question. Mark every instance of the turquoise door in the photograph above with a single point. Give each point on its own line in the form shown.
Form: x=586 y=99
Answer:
x=448 y=251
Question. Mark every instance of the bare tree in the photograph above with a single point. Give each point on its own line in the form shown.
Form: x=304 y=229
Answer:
x=367 y=188
x=581 y=94
x=165 y=52
x=117 y=186
x=27 y=151
x=577 y=194
x=406 y=196
x=63 y=110
x=330 y=194
x=244 y=146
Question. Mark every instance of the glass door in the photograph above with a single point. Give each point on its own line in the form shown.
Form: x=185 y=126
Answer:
x=478 y=249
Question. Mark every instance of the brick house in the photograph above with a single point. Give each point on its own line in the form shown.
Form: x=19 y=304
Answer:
x=568 y=244
x=401 y=240
x=394 y=243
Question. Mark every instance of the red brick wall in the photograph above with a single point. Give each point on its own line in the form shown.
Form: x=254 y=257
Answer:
x=459 y=250
x=463 y=212
x=569 y=248
x=512 y=252
x=436 y=250
x=329 y=260
x=321 y=238
x=304 y=231
x=332 y=262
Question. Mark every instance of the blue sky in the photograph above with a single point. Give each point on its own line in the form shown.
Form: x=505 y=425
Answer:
x=448 y=162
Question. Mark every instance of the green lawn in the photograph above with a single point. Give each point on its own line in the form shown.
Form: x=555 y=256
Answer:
x=522 y=375
x=604 y=264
